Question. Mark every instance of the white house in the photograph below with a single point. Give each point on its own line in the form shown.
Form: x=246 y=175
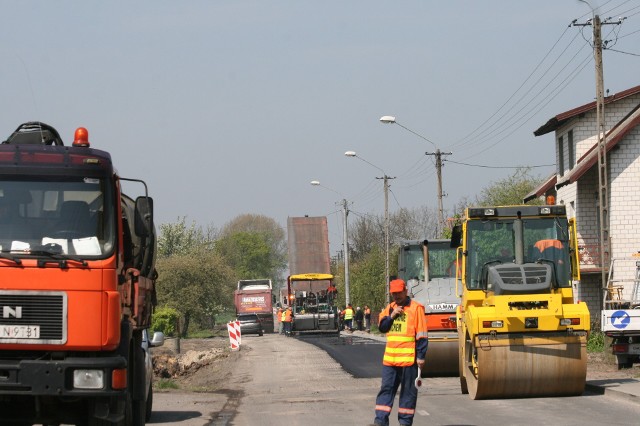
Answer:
x=575 y=183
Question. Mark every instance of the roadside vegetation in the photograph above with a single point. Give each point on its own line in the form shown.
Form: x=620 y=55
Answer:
x=596 y=342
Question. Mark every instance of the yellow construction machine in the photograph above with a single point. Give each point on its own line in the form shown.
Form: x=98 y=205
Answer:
x=520 y=331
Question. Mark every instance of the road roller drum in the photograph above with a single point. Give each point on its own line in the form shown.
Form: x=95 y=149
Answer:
x=526 y=367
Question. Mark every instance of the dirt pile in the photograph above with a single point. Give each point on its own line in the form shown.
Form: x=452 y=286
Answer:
x=194 y=355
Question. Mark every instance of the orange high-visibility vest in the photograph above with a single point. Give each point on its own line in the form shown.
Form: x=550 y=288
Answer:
x=405 y=330
x=287 y=315
x=279 y=315
x=542 y=245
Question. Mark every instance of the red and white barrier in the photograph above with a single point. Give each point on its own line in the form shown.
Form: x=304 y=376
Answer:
x=235 y=336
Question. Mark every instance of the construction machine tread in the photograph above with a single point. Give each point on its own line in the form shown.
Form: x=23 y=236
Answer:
x=441 y=359
x=555 y=368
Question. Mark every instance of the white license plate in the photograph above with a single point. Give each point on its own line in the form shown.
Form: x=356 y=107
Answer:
x=19 y=331
x=634 y=348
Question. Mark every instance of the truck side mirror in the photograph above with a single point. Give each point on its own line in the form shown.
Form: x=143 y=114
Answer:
x=144 y=216
x=456 y=236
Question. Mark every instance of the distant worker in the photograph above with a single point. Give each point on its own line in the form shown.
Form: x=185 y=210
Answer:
x=359 y=317
x=405 y=323
x=367 y=318
x=279 y=319
x=287 y=319
x=348 y=317
x=332 y=293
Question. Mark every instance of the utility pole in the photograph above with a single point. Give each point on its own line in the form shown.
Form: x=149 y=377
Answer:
x=603 y=175
x=438 y=154
x=345 y=239
x=386 y=237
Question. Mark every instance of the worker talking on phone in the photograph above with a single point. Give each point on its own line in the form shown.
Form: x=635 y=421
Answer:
x=405 y=323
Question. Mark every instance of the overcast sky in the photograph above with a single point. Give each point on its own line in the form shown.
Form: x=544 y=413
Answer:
x=232 y=107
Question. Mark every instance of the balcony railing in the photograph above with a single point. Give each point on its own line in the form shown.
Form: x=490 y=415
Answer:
x=589 y=251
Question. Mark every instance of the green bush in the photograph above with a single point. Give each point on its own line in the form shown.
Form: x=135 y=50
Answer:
x=164 y=319
x=596 y=342
x=166 y=384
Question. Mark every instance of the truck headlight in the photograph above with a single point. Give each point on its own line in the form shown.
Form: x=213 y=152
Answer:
x=88 y=379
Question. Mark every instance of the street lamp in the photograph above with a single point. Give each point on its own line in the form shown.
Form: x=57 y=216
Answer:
x=386 y=220
x=389 y=119
x=345 y=241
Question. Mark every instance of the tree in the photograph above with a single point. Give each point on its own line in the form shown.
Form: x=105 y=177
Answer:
x=413 y=224
x=367 y=286
x=366 y=233
x=270 y=233
x=178 y=238
x=510 y=190
x=248 y=254
x=199 y=284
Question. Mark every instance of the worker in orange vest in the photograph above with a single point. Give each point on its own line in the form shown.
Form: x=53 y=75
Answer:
x=405 y=323
x=287 y=319
x=554 y=251
x=367 y=318
x=279 y=319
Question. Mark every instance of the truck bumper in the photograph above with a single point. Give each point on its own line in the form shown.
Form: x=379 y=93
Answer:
x=55 y=377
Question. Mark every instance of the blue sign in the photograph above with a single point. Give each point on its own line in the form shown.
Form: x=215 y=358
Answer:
x=620 y=319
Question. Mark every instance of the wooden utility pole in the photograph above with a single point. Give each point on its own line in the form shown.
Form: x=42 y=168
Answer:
x=438 y=154
x=345 y=239
x=603 y=175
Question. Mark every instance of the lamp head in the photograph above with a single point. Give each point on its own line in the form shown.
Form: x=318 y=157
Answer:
x=388 y=119
x=350 y=154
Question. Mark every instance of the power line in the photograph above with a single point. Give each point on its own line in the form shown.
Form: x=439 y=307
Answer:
x=498 y=167
x=620 y=51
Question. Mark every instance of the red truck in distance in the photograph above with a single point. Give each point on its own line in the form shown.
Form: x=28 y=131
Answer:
x=256 y=297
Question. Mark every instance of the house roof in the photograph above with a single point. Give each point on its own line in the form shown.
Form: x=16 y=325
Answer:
x=541 y=189
x=615 y=135
x=555 y=122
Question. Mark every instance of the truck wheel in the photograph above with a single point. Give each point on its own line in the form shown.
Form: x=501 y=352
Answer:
x=149 y=404
x=138 y=412
x=623 y=362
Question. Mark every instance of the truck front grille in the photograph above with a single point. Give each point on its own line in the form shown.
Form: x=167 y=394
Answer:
x=23 y=311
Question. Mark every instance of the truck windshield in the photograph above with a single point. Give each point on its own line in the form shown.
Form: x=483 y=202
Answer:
x=60 y=215
x=441 y=260
x=493 y=241
x=441 y=257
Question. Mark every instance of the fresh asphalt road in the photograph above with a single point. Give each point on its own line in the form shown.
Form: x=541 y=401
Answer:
x=360 y=357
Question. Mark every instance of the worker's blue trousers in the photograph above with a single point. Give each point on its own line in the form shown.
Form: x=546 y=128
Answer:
x=392 y=377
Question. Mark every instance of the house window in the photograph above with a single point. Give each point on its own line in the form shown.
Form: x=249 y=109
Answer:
x=560 y=156
x=571 y=148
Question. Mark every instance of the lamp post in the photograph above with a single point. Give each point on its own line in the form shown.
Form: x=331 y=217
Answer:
x=386 y=220
x=345 y=240
x=389 y=119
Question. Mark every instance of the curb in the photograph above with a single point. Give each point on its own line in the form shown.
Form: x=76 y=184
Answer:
x=614 y=393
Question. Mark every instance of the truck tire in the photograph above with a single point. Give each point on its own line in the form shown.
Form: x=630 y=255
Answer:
x=138 y=405
x=149 y=404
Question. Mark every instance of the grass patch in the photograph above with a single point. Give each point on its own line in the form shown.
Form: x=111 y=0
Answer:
x=201 y=334
x=166 y=384
x=596 y=342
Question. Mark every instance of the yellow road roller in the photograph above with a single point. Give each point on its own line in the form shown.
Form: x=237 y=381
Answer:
x=520 y=331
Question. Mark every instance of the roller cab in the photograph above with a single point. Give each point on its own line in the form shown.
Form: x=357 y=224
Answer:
x=435 y=260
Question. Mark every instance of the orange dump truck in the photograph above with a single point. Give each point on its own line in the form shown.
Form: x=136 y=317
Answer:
x=77 y=281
